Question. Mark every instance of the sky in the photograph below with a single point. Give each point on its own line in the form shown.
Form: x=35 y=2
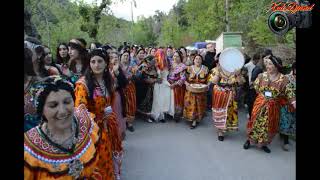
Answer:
x=144 y=7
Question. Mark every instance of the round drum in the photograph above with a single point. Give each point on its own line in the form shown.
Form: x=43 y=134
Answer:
x=197 y=88
x=231 y=60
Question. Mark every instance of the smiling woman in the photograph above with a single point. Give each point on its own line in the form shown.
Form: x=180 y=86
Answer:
x=65 y=145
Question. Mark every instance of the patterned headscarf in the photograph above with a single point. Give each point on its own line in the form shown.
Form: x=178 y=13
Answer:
x=47 y=85
x=160 y=57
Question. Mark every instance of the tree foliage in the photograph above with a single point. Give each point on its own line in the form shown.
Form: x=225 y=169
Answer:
x=187 y=21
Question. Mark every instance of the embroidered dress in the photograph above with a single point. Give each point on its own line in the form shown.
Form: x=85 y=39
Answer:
x=264 y=122
x=144 y=88
x=43 y=160
x=195 y=103
x=177 y=75
x=287 y=112
x=31 y=118
x=224 y=105
x=130 y=95
x=111 y=136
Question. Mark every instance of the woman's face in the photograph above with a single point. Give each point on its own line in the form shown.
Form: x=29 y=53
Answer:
x=73 y=53
x=125 y=58
x=197 y=61
x=176 y=58
x=58 y=109
x=169 y=52
x=114 y=59
x=97 y=64
x=63 y=51
x=48 y=56
x=153 y=52
x=141 y=55
x=184 y=53
x=271 y=68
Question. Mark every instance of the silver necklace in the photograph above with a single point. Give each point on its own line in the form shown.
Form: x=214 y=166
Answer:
x=67 y=143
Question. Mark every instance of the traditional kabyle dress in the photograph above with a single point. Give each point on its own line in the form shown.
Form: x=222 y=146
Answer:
x=264 y=122
x=130 y=95
x=43 y=159
x=195 y=103
x=177 y=75
x=224 y=105
x=111 y=136
x=31 y=118
x=288 y=113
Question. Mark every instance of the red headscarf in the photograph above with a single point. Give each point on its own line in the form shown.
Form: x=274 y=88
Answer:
x=161 y=61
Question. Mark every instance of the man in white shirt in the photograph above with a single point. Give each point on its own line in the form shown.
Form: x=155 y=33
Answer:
x=251 y=65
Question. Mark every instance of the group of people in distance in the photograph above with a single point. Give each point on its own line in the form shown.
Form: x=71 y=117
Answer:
x=79 y=105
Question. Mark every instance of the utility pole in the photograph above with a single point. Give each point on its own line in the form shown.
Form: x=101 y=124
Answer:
x=132 y=22
x=227 y=15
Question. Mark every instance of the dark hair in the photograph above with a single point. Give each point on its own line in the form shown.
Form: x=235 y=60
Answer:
x=59 y=59
x=196 y=56
x=218 y=56
x=267 y=52
x=256 y=56
x=247 y=58
x=83 y=53
x=141 y=49
x=180 y=54
x=293 y=66
x=151 y=49
x=277 y=62
x=28 y=65
x=41 y=52
x=50 y=84
x=90 y=79
x=183 y=49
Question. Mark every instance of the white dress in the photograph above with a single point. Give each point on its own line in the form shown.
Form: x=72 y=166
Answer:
x=163 y=98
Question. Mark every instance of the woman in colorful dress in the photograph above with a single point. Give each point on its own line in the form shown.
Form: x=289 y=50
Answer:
x=78 y=58
x=270 y=86
x=195 y=103
x=66 y=144
x=163 y=96
x=147 y=76
x=176 y=79
x=31 y=118
x=118 y=100
x=224 y=105
x=129 y=90
x=95 y=91
x=288 y=113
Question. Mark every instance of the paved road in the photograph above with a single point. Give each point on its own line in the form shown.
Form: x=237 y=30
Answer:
x=171 y=151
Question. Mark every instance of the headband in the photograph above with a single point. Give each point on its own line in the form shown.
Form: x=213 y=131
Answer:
x=39 y=87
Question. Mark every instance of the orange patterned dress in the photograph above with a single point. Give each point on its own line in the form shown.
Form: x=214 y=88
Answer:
x=177 y=75
x=130 y=96
x=96 y=106
x=42 y=160
x=195 y=103
x=224 y=105
x=264 y=122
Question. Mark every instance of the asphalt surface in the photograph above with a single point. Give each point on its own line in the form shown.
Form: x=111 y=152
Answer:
x=172 y=151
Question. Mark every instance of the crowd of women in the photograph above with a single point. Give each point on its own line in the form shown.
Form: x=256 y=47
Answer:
x=79 y=105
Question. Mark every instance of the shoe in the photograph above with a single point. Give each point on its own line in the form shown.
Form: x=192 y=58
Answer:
x=130 y=128
x=162 y=120
x=246 y=145
x=193 y=125
x=177 y=119
x=285 y=147
x=266 y=149
x=220 y=138
x=149 y=121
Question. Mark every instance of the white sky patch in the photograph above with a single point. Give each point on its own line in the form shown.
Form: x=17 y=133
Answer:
x=144 y=8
